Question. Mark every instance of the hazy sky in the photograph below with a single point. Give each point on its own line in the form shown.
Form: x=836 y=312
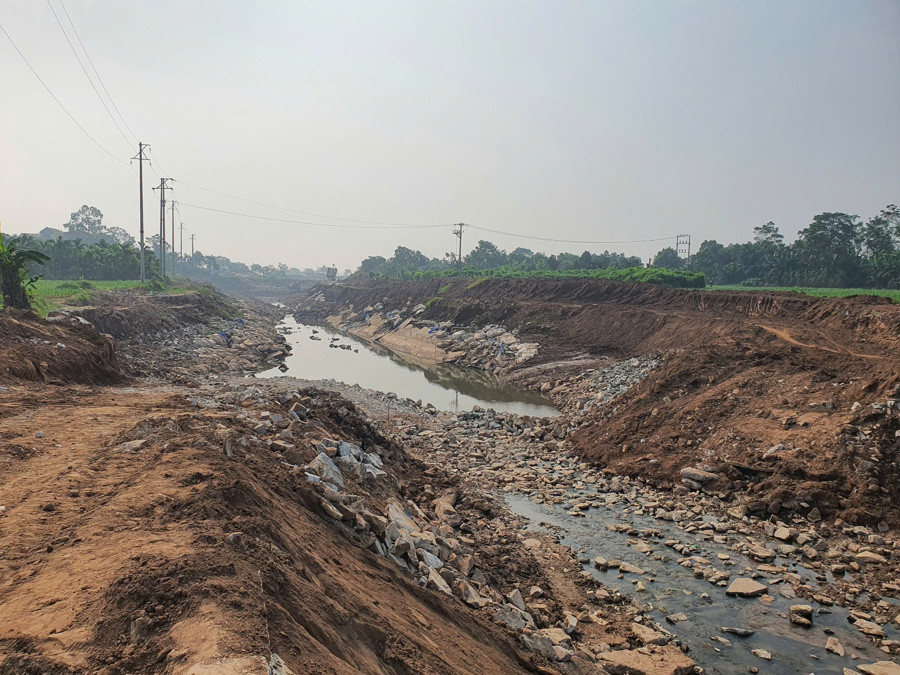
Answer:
x=575 y=120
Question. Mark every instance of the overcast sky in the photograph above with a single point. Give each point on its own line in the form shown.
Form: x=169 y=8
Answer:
x=575 y=120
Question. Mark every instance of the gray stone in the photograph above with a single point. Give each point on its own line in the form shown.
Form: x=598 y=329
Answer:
x=326 y=469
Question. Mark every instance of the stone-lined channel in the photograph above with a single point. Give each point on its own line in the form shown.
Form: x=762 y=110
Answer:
x=371 y=366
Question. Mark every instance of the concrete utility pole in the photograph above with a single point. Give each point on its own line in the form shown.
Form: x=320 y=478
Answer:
x=192 y=244
x=173 y=237
x=162 y=224
x=459 y=233
x=181 y=241
x=141 y=159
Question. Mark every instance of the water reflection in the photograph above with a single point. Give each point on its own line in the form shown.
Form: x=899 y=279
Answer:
x=372 y=366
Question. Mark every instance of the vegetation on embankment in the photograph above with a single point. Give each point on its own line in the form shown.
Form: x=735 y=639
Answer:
x=47 y=296
x=649 y=275
x=892 y=294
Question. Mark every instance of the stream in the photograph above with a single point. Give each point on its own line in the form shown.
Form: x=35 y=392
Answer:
x=675 y=589
x=445 y=386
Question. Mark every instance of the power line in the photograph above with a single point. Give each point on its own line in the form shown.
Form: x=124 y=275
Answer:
x=306 y=213
x=303 y=222
x=94 y=68
x=58 y=102
x=566 y=241
x=84 y=70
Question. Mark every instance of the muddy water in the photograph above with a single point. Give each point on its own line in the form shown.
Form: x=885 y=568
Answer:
x=370 y=366
x=675 y=589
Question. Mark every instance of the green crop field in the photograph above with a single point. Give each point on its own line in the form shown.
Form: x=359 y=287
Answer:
x=47 y=296
x=893 y=294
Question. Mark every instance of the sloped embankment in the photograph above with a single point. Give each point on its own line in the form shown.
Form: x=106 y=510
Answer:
x=65 y=350
x=789 y=400
x=159 y=533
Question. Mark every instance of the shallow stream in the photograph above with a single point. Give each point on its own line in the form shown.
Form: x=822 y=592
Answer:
x=675 y=589
x=371 y=366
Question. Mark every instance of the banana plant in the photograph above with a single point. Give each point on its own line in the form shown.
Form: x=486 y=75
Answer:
x=15 y=277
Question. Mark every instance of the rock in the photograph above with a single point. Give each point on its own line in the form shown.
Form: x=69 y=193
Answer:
x=746 y=588
x=326 y=469
x=761 y=653
x=516 y=600
x=866 y=557
x=648 y=636
x=539 y=644
x=667 y=660
x=627 y=568
x=532 y=544
x=677 y=618
x=740 y=632
x=436 y=582
x=698 y=475
x=557 y=636
x=869 y=628
x=880 y=668
x=470 y=596
x=835 y=647
x=514 y=617
x=783 y=533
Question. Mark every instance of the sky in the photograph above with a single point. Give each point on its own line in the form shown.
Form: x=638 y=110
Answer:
x=599 y=121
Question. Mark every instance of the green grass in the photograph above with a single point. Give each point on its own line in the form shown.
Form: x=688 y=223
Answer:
x=47 y=295
x=894 y=294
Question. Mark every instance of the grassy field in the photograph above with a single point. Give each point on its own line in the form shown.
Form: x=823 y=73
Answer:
x=894 y=295
x=49 y=295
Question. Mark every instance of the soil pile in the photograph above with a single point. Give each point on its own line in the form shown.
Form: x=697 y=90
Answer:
x=125 y=314
x=64 y=350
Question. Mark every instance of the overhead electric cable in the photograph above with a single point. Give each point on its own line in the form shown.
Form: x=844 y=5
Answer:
x=307 y=213
x=565 y=241
x=58 y=102
x=94 y=68
x=86 y=74
x=303 y=222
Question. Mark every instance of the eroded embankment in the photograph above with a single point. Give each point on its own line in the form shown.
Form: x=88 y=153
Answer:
x=185 y=531
x=786 y=401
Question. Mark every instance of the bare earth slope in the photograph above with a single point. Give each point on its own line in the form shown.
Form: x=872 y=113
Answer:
x=134 y=544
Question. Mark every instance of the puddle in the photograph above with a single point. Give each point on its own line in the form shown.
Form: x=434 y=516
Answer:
x=445 y=386
x=675 y=589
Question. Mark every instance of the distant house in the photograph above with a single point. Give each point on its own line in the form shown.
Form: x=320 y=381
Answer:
x=50 y=233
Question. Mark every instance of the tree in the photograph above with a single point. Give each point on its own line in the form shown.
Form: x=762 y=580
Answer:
x=827 y=251
x=15 y=278
x=519 y=256
x=486 y=256
x=669 y=259
x=86 y=220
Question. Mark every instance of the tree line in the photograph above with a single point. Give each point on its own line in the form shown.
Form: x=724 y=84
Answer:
x=85 y=248
x=836 y=250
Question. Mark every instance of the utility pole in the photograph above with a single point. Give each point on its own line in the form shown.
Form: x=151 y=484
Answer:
x=683 y=246
x=192 y=244
x=181 y=242
x=162 y=223
x=173 y=237
x=459 y=233
x=141 y=159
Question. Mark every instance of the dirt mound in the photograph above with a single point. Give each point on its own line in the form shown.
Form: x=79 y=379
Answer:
x=65 y=350
x=133 y=543
x=125 y=314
